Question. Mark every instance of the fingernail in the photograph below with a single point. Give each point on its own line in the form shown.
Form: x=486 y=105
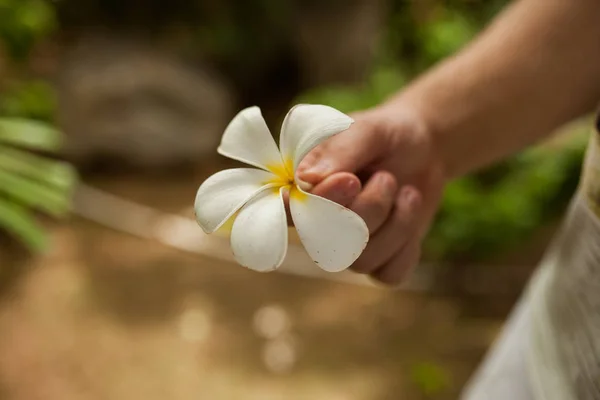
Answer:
x=387 y=185
x=352 y=188
x=410 y=197
x=306 y=186
x=320 y=168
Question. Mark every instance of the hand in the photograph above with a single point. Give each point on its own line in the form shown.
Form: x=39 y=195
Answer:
x=385 y=169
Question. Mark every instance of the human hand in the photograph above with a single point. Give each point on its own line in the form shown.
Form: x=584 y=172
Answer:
x=385 y=169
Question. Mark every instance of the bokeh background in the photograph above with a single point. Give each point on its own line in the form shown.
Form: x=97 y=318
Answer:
x=110 y=113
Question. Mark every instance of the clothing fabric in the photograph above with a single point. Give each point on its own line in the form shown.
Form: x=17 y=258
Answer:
x=503 y=375
x=550 y=347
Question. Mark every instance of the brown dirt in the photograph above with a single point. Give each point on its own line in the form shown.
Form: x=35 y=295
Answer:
x=109 y=316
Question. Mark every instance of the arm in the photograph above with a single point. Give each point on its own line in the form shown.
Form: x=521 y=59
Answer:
x=535 y=68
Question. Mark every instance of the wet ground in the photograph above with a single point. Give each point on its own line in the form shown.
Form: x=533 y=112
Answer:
x=106 y=315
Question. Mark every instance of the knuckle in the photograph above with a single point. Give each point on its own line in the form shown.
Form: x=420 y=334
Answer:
x=395 y=272
x=376 y=255
x=361 y=267
x=379 y=207
x=388 y=279
x=365 y=264
x=403 y=218
x=374 y=208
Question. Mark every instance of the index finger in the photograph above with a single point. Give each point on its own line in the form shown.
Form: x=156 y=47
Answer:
x=341 y=187
x=349 y=151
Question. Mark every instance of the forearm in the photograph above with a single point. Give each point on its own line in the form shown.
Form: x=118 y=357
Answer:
x=535 y=68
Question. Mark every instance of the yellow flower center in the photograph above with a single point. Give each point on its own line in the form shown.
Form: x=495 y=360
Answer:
x=284 y=173
x=285 y=178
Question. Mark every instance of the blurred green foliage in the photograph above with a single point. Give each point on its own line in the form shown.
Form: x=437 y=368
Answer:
x=491 y=211
x=384 y=81
x=481 y=214
x=495 y=210
x=430 y=378
x=30 y=180
x=23 y=23
x=35 y=99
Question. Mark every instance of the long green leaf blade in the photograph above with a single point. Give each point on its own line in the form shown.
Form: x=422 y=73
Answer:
x=53 y=173
x=18 y=222
x=34 y=194
x=29 y=134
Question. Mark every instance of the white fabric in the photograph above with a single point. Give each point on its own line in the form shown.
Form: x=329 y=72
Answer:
x=550 y=348
x=565 y=356
x=503 y=374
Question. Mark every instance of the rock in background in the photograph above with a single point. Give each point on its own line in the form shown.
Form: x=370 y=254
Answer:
x=136 y=101
x=121 y=99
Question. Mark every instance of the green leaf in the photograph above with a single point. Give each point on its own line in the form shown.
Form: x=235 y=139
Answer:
x=34 y=194
x=29 y=99
x=430 y=378
x=53 y=173
x=17 y=221
x=23 y=24
x=30 y=134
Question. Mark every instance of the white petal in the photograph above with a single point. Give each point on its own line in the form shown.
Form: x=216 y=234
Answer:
x=259 y=237
x=225 y=192
x=332 y=235
x=307 y=125
x=247 y=139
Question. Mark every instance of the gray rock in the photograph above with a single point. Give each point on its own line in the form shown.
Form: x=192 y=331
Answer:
x=123 y=100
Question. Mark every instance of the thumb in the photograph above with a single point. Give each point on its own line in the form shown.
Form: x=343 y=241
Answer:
x=348 y=151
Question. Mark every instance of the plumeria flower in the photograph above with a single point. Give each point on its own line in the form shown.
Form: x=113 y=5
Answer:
x=332 y=235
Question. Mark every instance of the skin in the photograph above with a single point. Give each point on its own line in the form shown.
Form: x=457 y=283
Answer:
x=535 y=68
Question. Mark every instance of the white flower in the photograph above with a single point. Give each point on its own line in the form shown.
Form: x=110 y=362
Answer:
x=332 y=235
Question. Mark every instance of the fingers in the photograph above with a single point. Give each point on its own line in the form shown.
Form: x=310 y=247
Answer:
x=395 y=270
x=394 y=219
x=376 y=200
x=349 y=151
x=393 y=235
x=342 y=187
